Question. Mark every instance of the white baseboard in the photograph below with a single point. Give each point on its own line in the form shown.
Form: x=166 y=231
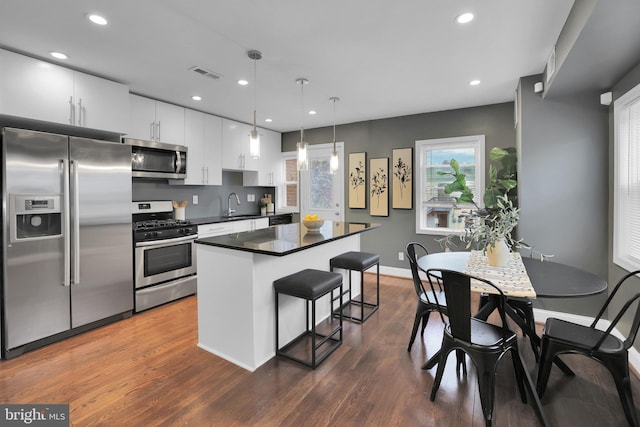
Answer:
x=542 y=316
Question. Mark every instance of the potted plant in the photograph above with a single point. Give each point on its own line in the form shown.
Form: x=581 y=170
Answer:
x=489 y=228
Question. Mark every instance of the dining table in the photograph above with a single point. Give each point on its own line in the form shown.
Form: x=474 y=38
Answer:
x=547 y=279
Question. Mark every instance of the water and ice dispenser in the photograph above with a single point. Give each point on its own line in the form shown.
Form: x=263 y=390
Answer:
x=35 y=216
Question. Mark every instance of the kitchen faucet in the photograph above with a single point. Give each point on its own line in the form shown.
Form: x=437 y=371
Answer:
x=229 y=210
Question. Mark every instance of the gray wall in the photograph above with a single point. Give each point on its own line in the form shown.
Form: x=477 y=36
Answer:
x=379 y=137
x=212 y=200
x=563 y=183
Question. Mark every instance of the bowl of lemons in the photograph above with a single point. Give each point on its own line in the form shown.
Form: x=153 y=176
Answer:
x=313 y=222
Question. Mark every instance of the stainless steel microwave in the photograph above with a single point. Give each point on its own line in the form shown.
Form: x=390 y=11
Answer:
x=151 y=159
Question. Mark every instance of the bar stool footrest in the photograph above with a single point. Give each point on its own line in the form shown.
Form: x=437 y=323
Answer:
x=305 y=340
x=351 y=306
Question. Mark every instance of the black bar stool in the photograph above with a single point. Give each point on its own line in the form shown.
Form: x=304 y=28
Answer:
x=356 y=261
x=309 y=285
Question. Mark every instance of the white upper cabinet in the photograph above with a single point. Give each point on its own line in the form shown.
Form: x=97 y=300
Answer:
x=100 y=103
x=203 y=137
x=235 y=146
x=40 y=90
x=269 y=169
x=155 y=120
x=213 y=149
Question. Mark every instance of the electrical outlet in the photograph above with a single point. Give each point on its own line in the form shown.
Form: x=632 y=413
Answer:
x=195 y=199
x=251 y=197
x=400 y=256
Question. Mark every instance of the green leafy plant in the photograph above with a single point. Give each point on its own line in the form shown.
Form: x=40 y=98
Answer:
x=499 y=217
x=489 y=226
x=503 y=180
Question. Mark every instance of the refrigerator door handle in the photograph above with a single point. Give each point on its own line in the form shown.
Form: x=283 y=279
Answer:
x=75 y=280
x=64 y=172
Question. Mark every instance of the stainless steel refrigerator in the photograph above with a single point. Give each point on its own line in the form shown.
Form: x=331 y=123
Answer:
x=67 y=257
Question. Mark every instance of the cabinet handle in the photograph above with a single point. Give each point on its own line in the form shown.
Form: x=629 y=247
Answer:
x=159 y=129
x=152 y=131
x=206 y=181
x=80 y=112
x=71 y=110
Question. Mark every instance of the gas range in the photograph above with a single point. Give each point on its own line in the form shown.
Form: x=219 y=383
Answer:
x=154 y=220
x=165 y=266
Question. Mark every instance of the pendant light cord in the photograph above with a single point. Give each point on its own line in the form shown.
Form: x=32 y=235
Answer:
x=301 y=110
x=334 y=124
x=255 y=90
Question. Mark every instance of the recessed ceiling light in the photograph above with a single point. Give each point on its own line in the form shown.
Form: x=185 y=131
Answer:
x=474 y=82
x=464 y=18
x=196 y=98
x=58 y=55
x=312 y=112
x=97 y=19
x=268 y=120
x=243 y=82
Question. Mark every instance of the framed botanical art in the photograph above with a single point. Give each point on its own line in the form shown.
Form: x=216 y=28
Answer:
x=357 y=180
x=402 y=178
x=379 y=187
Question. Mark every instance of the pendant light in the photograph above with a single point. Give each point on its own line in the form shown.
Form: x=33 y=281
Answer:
x=303 y=163
x=254 y=137
x=334 y=162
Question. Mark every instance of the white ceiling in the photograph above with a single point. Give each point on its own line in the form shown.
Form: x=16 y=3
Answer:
x=381 y=58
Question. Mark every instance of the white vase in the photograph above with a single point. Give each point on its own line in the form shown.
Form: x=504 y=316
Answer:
x=498 y=255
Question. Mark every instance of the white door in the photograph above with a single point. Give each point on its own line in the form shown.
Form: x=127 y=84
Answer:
x=322 y=193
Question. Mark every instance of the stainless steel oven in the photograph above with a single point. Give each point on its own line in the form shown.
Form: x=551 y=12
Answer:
x=163 y=260
x=165 y=265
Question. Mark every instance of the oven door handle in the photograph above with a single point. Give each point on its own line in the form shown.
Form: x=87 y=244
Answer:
x=166 y=241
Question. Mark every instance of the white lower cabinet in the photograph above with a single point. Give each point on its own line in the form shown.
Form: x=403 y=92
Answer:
x=216 y=229
x=250 y=224
x=228 y=227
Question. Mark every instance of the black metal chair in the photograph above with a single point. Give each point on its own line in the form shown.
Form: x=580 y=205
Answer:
x=560 y=336
x=524 y=308
x=484 y=342
x=428 y=301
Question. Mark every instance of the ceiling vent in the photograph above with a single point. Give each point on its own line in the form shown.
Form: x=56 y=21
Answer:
x=206 y=73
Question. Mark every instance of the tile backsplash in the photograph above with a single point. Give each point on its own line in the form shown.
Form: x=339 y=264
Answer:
x=212 y=199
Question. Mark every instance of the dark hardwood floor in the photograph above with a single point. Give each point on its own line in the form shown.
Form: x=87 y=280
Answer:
x=148 y=371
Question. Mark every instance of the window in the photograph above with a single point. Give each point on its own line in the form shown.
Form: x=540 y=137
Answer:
x=289 y=190
x=626 y=187
x=437 y=212
x=321 y=184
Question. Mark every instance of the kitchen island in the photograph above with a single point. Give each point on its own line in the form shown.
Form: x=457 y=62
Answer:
x=236 y=314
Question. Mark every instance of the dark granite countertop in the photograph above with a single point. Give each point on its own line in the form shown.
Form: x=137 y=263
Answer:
x=285 y=239
x=216 y=219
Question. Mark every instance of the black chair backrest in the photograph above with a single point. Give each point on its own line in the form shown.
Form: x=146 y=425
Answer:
x=412 y=256
x=633 y=331
x=457 y=290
